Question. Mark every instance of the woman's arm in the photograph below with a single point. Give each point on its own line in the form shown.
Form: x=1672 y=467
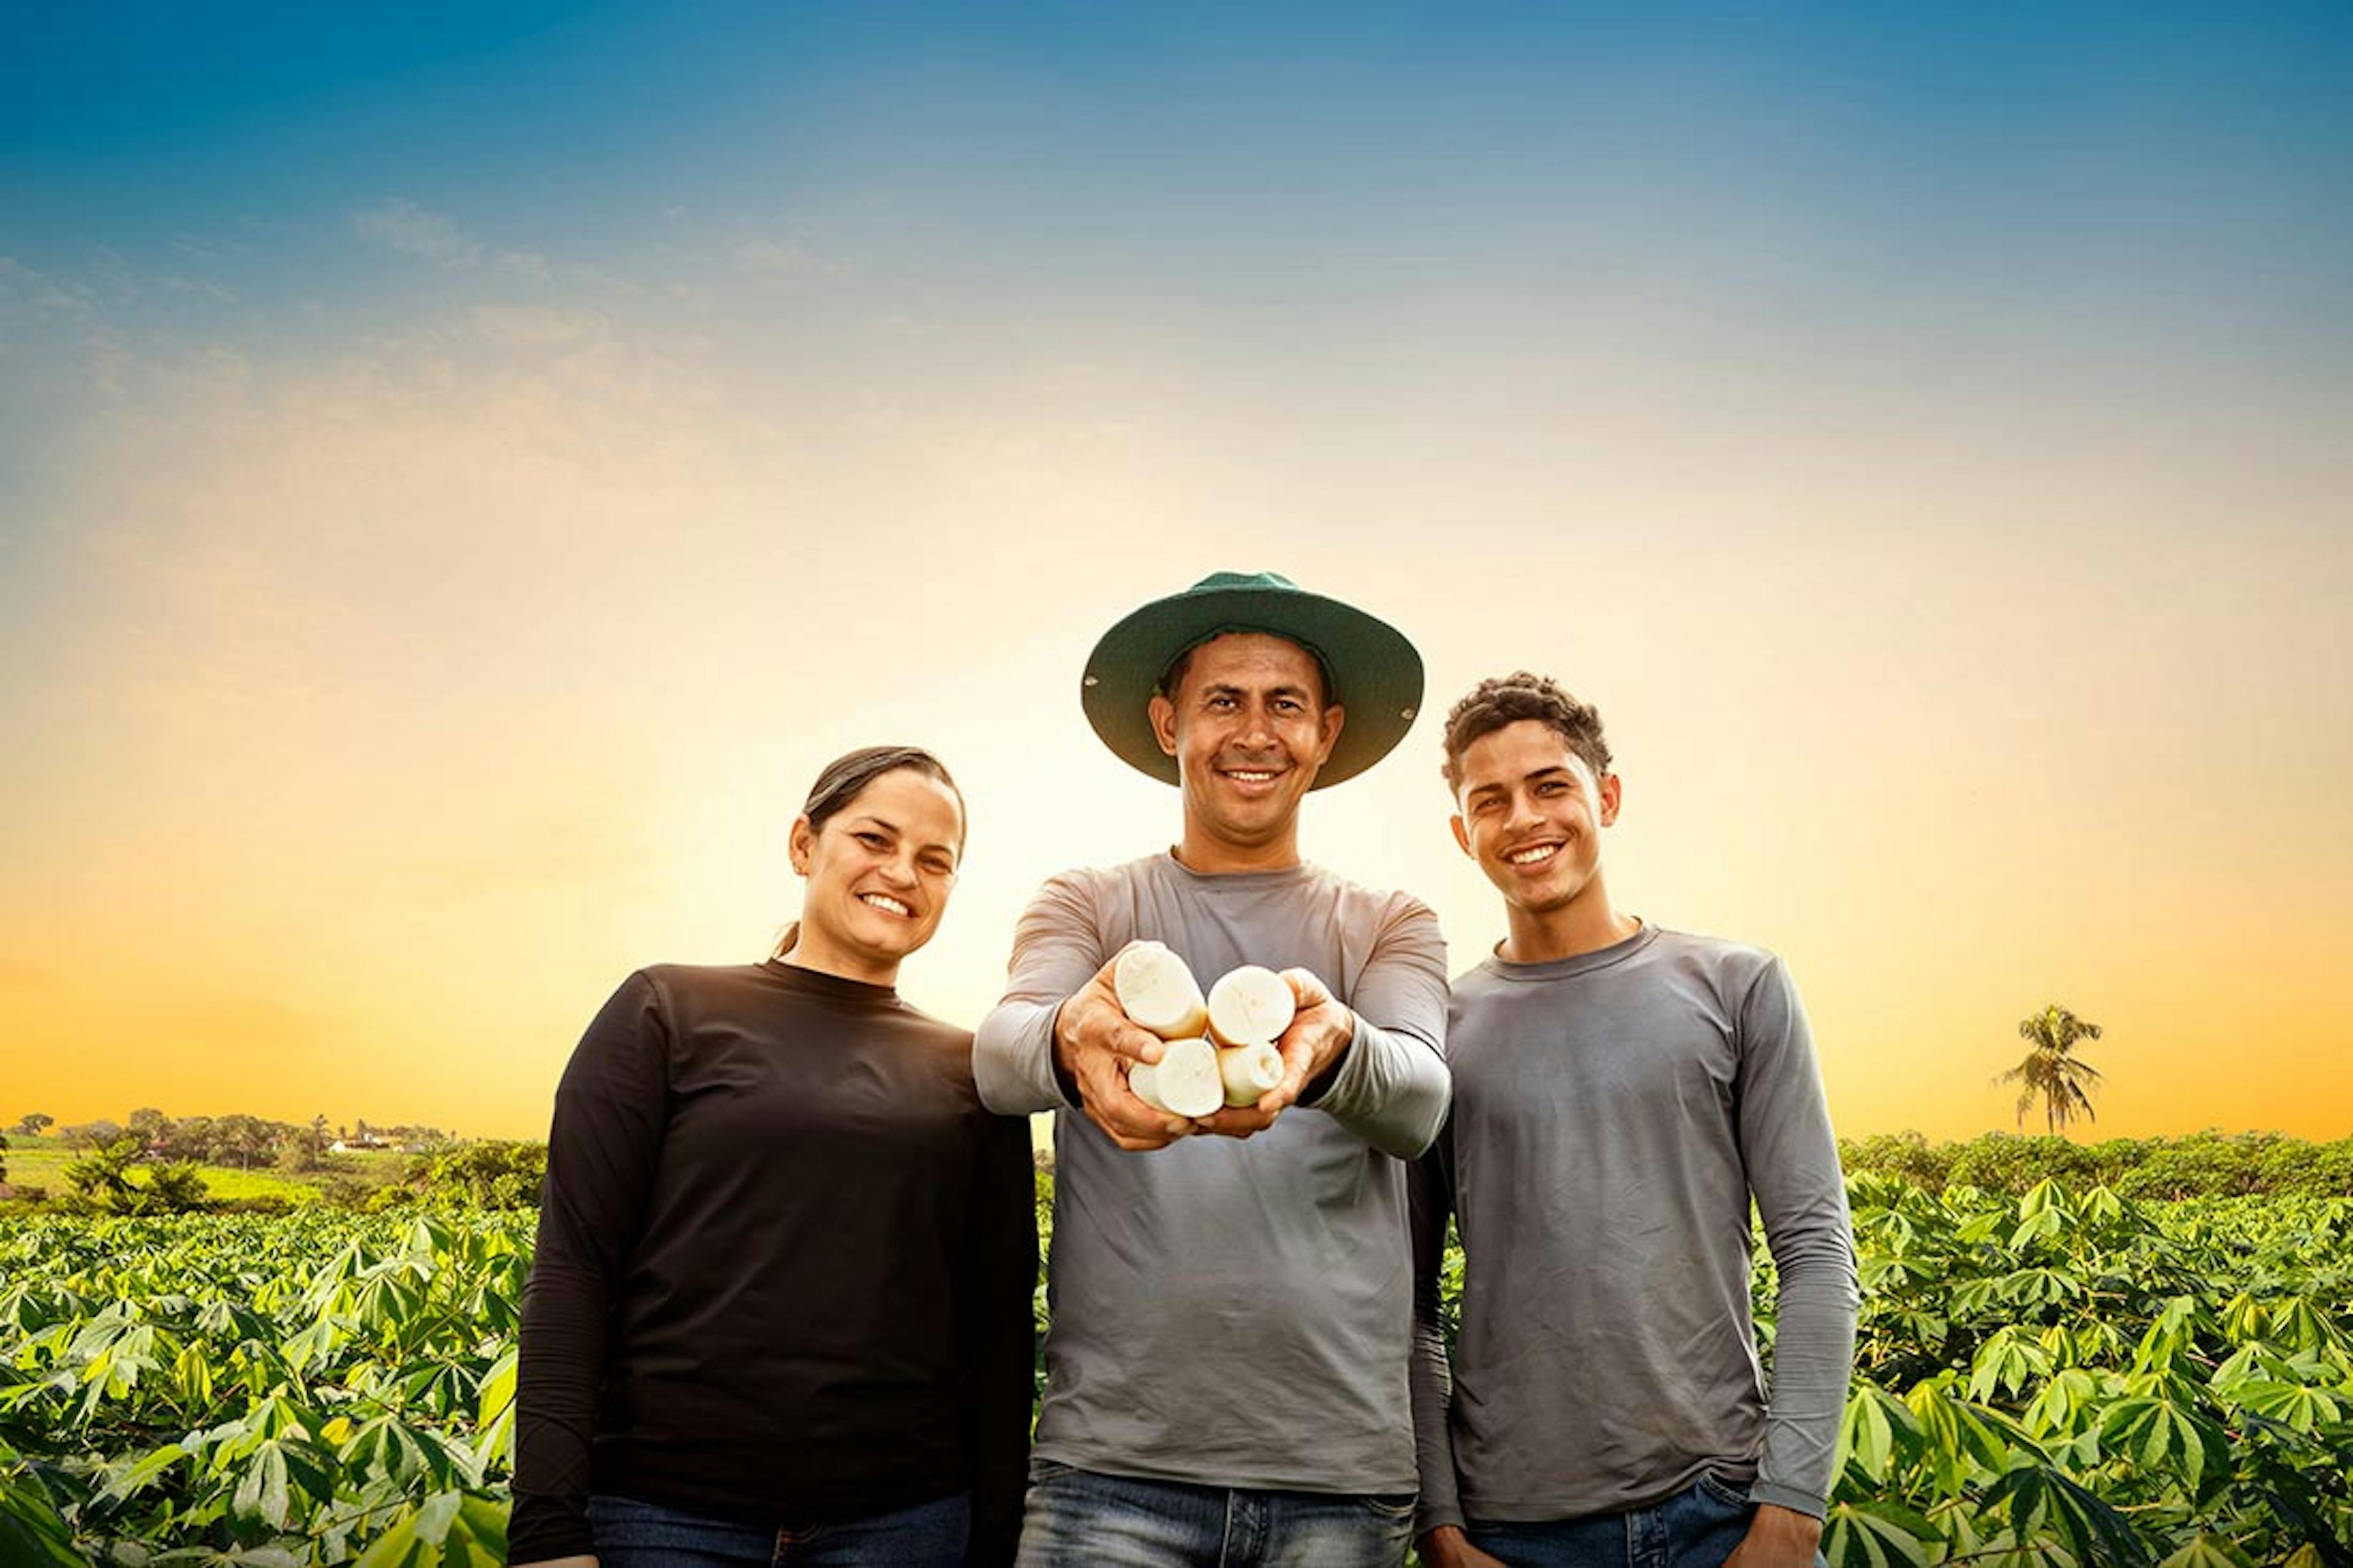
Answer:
x=997 y=1333
x=610 y=1111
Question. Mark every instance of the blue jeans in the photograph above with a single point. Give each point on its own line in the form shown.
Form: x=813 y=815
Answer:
x=1696 y=1528
x=633 y=1534
x=1084 y=1518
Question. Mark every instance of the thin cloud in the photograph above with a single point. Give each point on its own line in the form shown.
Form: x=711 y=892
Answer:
x=219 y=293
x=215 y=372
x=529 y=263
x=19 y=281
x=410 y=230
x=114 y=275
x=108 y=360
x=770 y=258
x=536 y=326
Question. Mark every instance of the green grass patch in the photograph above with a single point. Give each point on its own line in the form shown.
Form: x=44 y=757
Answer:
x=229 y=1182
x=37 y=1164
x=41 y=1163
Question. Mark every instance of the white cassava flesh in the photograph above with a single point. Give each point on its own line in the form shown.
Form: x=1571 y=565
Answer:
x=1185 y=1083
x=1159 y=993
x=1250 y=1007
x=1248 y=1071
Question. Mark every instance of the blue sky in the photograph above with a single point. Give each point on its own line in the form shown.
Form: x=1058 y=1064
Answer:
x=130 y=129
x=2146 y=161
x=2151 y=193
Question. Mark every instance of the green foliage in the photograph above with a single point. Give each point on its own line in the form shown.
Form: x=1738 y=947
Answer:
x=109 y=1181
x=105 y=1174
x=484 y=1175
x=2203 y=1164
x=2089 y=1381
x=2062 y=1377
x=2051 y=1071
x=321 y=1388
x=175 y=1189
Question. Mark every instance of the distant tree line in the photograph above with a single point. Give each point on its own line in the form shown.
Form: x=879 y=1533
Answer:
x=153 y=1169
x=2202 y=1164
x=246 y=1143
x=150 y=1163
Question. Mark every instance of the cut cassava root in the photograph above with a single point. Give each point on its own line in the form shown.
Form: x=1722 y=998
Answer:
x=1248 y=1071
x=1159 y=993
x=1186 y=1082
x=1250 y=1007
x=1245 y=1012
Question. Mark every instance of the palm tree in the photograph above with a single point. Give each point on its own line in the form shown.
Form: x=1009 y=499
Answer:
x=2063 y=1079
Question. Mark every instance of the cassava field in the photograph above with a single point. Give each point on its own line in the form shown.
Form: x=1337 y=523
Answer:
x=2063 y=1378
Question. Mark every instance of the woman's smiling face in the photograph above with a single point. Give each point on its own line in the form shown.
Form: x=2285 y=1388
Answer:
x=879 y=872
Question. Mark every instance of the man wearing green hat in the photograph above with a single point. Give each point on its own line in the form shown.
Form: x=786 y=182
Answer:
x=1226 y=1367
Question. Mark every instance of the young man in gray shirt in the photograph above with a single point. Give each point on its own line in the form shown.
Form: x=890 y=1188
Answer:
x=1621 y=1093
x=1231 y=1315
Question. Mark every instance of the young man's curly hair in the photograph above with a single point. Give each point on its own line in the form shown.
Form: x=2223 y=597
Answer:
x=1506 y=700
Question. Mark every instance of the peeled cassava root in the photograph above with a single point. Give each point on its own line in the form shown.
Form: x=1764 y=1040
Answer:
x=1186 y=1082
x=1159 y=993
x=1194 y=1077
x=1250 y=1007
x=1248 y=1071
x=1246 y=1011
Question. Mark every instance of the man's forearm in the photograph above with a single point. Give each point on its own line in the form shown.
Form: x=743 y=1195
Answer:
x=1013 y=1058
x=1391 y=1090
x=1793 y=1172
x=1813 y=1354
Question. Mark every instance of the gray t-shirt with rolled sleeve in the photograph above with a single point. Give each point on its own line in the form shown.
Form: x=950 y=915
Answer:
x=1613 y=1114
x=1228 y=1311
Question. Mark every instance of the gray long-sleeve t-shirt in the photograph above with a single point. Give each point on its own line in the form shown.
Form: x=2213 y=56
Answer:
x=1234 y=1312
x=1614 y=1112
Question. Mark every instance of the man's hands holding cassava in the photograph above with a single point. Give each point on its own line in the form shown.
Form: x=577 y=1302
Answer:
x=1095 y=1043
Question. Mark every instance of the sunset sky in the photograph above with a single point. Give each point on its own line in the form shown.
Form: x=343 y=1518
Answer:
x=463 y=470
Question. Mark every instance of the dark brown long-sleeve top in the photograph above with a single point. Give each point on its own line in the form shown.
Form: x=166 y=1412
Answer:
x=785 y=1267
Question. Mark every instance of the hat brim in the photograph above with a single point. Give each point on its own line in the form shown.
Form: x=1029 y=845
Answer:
x=1376 y=673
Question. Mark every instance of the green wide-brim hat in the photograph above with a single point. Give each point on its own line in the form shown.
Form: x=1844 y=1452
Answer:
x=1372 y=670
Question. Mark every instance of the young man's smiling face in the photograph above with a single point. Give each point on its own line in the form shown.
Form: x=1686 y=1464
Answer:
x=1249 y=725
x=1530 y=812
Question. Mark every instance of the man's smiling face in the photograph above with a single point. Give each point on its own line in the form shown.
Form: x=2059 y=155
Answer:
x=1531 y=813
x=1249 y=725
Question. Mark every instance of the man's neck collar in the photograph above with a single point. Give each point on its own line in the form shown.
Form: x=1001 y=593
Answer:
x=1588 y=925
x=1220 y=860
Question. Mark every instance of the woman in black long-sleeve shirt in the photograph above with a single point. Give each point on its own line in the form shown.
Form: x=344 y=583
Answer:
x=781 y=1307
